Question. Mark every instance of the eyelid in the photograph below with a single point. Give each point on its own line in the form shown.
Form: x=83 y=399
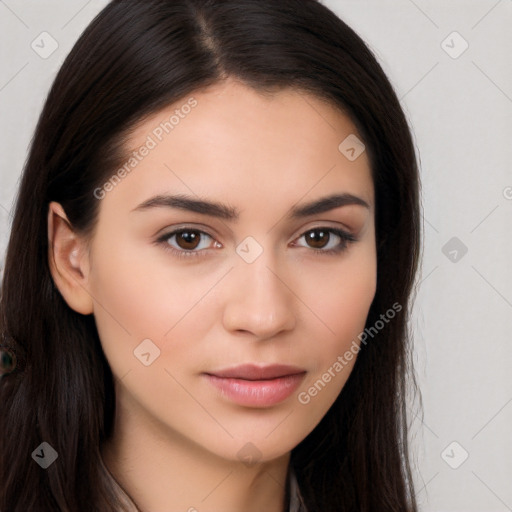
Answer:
x=201 y=228
x=191 y=226
x=346 y=236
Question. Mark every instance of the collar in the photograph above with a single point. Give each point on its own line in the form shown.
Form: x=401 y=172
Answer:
x=296 y=500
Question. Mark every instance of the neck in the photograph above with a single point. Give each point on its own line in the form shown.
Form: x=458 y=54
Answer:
x=167 y=472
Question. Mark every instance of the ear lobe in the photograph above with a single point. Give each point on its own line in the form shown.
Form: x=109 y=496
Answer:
x=68 y=260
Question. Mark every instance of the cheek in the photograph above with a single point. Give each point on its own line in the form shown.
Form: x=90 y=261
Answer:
x=347 y=305
x=341 y=295
x=141 y=294
x=341 y=301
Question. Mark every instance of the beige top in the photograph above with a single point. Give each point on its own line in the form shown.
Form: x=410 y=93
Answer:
x=296 y=502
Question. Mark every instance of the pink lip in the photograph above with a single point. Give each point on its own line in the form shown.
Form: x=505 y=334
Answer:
x=257 y=386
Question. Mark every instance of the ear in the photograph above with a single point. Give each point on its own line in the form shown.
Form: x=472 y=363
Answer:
x=68 y=259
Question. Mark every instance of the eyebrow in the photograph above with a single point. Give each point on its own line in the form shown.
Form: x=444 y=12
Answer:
x=226 y=212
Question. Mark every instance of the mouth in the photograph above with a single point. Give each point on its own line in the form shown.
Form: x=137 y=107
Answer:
x=257 y=386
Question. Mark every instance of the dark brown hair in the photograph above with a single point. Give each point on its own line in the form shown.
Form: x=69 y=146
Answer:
x=135 y=58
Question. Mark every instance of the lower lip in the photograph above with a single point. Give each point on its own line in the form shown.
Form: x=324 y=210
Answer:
x=257 y=393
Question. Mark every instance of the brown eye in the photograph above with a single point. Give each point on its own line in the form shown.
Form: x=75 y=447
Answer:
x=188 y=240
x=318 y=238
x=324 y=240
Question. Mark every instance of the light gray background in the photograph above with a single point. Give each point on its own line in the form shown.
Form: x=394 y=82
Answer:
x=460 y=110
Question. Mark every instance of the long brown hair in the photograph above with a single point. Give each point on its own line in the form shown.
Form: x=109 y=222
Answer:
x=135 y=58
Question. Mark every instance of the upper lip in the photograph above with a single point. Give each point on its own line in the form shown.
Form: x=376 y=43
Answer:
x=255 y=372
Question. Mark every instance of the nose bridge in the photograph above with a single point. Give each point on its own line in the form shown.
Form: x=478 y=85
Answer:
x=261 y=302
x=261 y=276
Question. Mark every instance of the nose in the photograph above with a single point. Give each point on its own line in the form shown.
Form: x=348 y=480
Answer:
x=259 y=301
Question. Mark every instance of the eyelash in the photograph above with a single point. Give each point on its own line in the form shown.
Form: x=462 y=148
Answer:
x=347 y=239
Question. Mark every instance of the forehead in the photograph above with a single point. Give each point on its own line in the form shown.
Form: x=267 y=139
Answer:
x=236 y=110
x=230 y=141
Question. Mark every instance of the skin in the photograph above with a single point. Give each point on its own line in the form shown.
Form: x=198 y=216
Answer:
x=176 y=438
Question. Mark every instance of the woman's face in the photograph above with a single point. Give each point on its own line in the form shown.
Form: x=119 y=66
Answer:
x=252 y=278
